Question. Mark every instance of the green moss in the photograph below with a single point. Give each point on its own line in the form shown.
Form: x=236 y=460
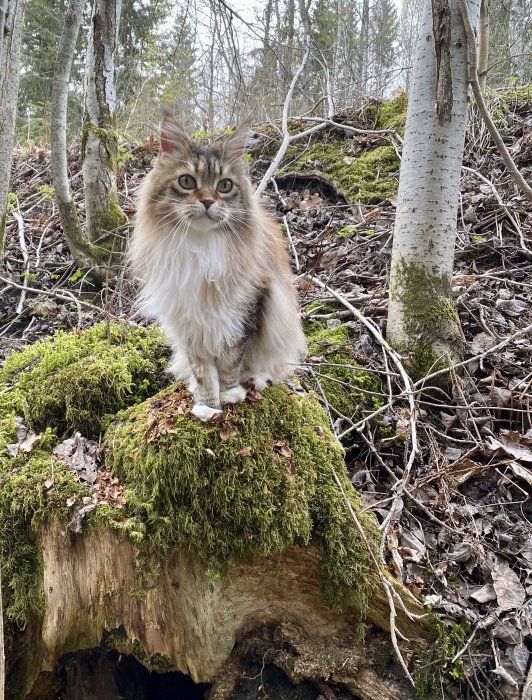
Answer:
x=25 y=502
x=77 y=380
x=368 y=178
x=107 y=135
x=392 y=114
x=266 y=487
x=348 y=388
x=437 y=675
x=252 y=486
x=430 y=317
x=111 y=218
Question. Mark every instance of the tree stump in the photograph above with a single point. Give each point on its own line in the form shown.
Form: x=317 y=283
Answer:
x=194 y=548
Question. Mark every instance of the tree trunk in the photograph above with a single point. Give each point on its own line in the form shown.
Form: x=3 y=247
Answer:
x=11 y=24
x=517 y=31
x=106 y=222
x=83 y=253
x=208 y=629
x=364 y=50
x=422 y=321
x=483 y=43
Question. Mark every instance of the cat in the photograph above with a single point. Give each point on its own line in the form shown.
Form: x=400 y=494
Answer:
x=216 y=271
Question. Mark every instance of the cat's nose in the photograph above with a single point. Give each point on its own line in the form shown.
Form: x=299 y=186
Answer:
x=207 y=202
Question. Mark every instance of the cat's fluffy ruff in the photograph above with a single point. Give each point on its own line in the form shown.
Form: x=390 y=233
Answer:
x=219 y=283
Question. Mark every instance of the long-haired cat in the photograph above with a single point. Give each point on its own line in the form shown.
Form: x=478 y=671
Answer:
x=215 y=269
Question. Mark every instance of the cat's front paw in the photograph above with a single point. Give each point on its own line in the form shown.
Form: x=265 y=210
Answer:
x=203 y=412
x=234 y=395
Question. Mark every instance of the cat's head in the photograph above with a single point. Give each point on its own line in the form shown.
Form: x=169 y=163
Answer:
x=204 y=186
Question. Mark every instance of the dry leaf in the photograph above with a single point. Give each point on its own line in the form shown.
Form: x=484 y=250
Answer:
x=283 y=448
x=245 y=452
x=485 y=594
x=510 y=592
x=227 y=431
x=521 y=471
x=511 y=443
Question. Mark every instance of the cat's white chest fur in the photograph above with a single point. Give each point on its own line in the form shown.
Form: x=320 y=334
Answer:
x=196 y=293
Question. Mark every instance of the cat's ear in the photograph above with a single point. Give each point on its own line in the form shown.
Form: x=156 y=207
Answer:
x=235 y=145
x=173 y=136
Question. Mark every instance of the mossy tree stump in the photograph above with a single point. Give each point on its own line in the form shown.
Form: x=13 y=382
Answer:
x=228 y=539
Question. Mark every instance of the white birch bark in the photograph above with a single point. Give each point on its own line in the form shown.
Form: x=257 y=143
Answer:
x=422 y=321
x=483 y=43
x=516 y=26
x=59 y=166
x=100 y=140
x=12 y=24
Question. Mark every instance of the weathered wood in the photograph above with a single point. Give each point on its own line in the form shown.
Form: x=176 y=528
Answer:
x=204 y=628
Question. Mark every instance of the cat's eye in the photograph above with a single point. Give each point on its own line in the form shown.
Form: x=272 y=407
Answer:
x=187 y=182
x=225 y=186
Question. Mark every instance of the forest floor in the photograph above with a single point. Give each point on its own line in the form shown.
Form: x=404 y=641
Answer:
x=461 y=537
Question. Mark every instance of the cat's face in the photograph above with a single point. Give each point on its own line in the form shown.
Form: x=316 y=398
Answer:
x=199 y=187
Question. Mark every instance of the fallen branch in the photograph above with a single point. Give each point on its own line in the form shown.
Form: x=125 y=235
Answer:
x=25 y=257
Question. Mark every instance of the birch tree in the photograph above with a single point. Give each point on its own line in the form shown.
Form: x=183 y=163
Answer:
x=81 y=250
x=11 y=26
x=105 y=219
x=422 y=320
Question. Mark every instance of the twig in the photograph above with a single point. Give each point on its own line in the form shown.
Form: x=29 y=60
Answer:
x=385 y=584
x=64 y=296
x=408 y=387
x=287 y=139
x=25 y=256
x=483 y=109
x=506 y=208
x=476 y=358
x=386 y=133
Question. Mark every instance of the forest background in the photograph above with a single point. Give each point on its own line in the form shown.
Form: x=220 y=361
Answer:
x=444 y=467
x=215 y=66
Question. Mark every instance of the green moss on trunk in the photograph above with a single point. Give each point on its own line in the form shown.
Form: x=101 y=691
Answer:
x=430 y=319
x=267 y=486
x=78 y=381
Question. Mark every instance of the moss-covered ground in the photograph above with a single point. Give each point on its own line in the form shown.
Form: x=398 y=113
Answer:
x=77 y=381
x=363 y=169
x=368 y=177
x=254 y=484
x=347 y=387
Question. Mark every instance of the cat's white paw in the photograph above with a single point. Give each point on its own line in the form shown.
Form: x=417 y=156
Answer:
x=261 y=382
x=234 y=395
x=204 y=413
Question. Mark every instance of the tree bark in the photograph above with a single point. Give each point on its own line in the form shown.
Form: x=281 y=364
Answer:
x=106 y=221
x=483 y=43
x=422 y=321
x=363 y=50
x=11 y=24
x=203 y=628
x=81 y=251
